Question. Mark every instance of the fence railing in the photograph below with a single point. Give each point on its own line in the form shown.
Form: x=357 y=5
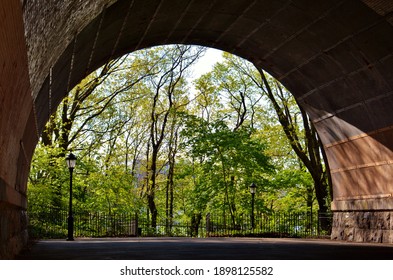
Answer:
x=53 y=224
x=276 y=224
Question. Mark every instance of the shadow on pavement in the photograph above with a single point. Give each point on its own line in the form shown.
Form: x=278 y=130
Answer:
x=204 y=249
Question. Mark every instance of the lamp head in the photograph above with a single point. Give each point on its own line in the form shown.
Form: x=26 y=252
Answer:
x=71 y=161
x=253 y=188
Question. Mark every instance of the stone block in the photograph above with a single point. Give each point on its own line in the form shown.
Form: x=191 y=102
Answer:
x=362 y=226
x=387 y=236
x=373 y=235
x=382 y=220
x=349 y=233
x=363 y=221
x=13 y=231
x=358 y=235
x=336 y=234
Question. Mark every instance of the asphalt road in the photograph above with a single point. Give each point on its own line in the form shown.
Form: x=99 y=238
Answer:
x=205 y=249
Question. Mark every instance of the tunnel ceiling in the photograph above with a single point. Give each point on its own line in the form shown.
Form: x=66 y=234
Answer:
x=319 y=49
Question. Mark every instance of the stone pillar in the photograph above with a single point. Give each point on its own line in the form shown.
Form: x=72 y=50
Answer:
x=361 y=166
x=18 y=133
x=354 y=224
x=13 y=231
x=363 y=226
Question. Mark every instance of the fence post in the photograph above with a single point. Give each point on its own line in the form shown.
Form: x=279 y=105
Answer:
x=207 y=224
x=136 y=225
x=319 y=223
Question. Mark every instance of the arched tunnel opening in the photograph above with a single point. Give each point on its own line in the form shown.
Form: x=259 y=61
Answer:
x=150 y=136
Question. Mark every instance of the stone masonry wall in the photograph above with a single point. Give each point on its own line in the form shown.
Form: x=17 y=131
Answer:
x=13 y=231
x=49 y=27
x=363 y=226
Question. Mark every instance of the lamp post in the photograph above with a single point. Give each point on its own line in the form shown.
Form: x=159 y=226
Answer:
x=71 y=161
x=253 y=189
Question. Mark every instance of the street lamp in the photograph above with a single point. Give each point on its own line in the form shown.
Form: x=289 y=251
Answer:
x=253 y=189
x=71 y=162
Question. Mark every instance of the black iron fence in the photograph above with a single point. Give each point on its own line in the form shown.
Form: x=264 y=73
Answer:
x=275 y=224
x=53 y=224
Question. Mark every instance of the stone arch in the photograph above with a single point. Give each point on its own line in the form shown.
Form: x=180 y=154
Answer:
x=336 y=57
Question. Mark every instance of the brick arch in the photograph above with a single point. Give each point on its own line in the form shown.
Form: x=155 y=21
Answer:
x=336 y=57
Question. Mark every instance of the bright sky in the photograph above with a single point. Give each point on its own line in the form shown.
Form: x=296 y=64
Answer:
x=205 y=64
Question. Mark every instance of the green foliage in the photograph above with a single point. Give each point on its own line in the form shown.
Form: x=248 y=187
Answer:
x=225 y=163
x=210 y=144
x=48 y=180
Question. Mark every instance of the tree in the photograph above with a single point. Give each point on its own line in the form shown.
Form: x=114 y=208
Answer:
x=231 y=159
x=297 y=127
x=237 y=76
x=169 y=83
x=310 y=151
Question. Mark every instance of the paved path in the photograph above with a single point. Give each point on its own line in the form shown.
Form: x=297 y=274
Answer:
x=204 y=249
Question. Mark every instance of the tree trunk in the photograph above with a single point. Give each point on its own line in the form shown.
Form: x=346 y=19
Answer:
x=153 y=210
x=310 y=153
x=151 y=192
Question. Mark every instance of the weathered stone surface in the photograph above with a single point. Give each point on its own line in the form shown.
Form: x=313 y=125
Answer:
x=363 y=226
x=15 y=111
x=50 y=26
x=13 y=231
